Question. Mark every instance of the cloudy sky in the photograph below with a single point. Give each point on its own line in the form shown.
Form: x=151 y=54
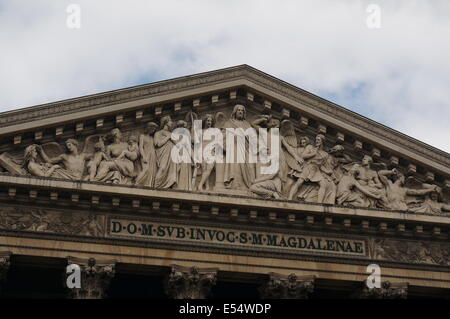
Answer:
x=398 y=74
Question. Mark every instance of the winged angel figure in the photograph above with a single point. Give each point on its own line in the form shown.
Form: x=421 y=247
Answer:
x=51 y=160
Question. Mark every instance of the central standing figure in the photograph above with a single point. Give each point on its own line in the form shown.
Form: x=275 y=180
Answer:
x=166 y=176
x=239 y=176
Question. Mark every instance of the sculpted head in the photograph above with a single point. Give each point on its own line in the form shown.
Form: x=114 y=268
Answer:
x=273 y=123
x=166 y=122
x=182 y=124
x=151 y=128
x=337 y=149
x=320 y=139
x=400 y=178
x=354 y=170
x=30 y=154
x=132 y=139
x=304 y=140
x=72 y=145
x=239 y=112
x=99 y=147
x=434 y=196
x=116 y=134
x=367 y=160
x=209 y=121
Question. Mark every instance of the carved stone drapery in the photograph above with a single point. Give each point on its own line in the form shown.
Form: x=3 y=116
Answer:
x=190 y=282
x=96 y=277
x=386 y=291
x=4 y=267
x=287 y=287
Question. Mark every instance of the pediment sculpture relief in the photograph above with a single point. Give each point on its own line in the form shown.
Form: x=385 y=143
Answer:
x=308 y=169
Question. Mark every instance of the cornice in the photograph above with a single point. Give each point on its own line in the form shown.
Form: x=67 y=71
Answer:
x=246 y=72
x=94 y=101
x=220 y=200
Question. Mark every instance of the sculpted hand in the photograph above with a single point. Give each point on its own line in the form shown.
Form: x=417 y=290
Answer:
x=266 y=117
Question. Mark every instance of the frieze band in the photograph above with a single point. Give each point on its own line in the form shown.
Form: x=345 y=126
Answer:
x=309 y=169
x=100 y=226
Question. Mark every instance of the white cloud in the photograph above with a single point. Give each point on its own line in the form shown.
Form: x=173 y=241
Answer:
x=397 y=75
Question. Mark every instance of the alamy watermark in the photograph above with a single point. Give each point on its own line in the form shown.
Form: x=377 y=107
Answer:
x=73 y=20
x=374 y=279
x=74 y=276
x=242 y=146
x=373 y=20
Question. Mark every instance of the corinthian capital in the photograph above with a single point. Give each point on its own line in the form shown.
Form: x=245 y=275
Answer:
x=190 y=282
x=287 y=287
x=96 y=277
x=386 y=291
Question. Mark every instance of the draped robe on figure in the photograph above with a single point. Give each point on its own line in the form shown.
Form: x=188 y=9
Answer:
x=239 y=175
x=166 y=176
x=147 y=177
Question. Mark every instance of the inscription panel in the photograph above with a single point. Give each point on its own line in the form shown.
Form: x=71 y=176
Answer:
x=234 y=238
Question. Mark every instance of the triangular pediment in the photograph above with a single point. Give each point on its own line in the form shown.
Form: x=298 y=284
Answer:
x=129 y=110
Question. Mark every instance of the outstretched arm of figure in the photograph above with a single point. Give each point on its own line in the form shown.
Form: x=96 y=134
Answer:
x=383 y=176
x=310 y=152
x=122 y=155
x=419 y=192
x=47 y=159
x=105 y=157
x=446 y=207
x=257 y=123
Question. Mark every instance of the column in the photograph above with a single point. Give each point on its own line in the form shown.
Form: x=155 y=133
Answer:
x=96 y=277
x=190 y=282
x=287 y=287
x=4 y=267
x=386 y=291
